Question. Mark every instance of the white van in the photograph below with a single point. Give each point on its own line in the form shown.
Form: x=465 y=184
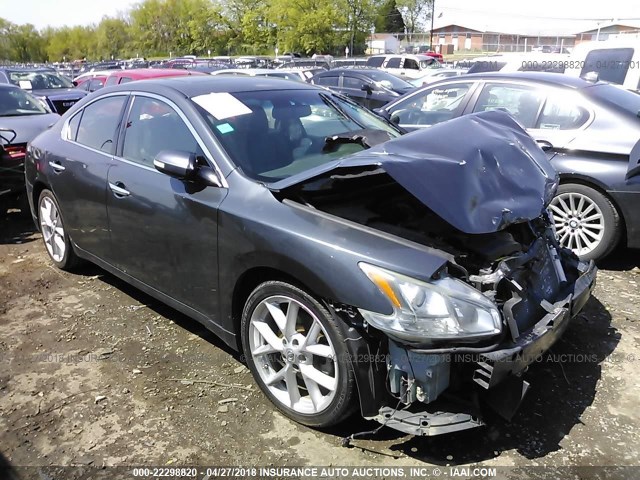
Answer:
x=410 y=66
x=614 y=61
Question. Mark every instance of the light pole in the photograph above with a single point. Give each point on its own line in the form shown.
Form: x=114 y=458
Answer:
x=433 y=11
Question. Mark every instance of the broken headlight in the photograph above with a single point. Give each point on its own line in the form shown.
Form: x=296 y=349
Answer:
x=442 y=309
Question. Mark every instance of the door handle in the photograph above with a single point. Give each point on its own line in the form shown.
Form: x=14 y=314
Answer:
x=545 y=145
x=119 y=189
x=56 y=166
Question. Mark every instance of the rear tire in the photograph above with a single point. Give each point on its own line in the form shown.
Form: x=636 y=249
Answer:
x=586 y=221
x=55 y=237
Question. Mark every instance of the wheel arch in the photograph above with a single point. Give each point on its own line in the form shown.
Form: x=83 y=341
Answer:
x=247 y=283
x=38 y=187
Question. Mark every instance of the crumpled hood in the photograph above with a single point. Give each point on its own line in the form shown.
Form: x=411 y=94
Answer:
x=479 y=172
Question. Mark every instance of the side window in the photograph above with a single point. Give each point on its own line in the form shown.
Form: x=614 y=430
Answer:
x=519 y=100
x=375 y=61
x=99 y=124
x=154 y=126
x=111 y=80
x=411 y=64
x=72 y=133
x=95 y=85
x=352 y=82
x=432 y=106
x=394 y=62
x=328 y=81
x=125 y=80
x=561 y=114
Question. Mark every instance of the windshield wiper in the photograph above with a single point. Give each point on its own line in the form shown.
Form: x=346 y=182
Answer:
x=367 y=138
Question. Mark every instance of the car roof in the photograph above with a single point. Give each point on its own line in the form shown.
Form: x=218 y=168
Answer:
x=558 y=79
x=359 y=69
x=247 y=71
x=140 y=73
x=28 y=69
x=201 y=85
x=9 y=85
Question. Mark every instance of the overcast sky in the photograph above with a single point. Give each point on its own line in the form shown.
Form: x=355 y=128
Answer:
x=82 y=12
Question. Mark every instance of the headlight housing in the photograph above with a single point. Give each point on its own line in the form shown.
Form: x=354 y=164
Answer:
x=444 y=309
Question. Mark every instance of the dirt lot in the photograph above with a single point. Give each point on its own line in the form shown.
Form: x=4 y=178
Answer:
x=93 y=372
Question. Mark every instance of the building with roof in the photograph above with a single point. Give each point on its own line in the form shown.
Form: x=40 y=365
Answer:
x=609 y=30
x=383 y=43
x=521 y=35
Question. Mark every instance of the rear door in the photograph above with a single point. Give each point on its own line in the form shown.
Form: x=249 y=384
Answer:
x=393 y=65
x=78 y=174
x=164 y=230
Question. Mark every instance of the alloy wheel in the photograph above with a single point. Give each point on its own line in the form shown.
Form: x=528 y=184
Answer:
x=293 y=354
x=52 y=229
x=579 y=222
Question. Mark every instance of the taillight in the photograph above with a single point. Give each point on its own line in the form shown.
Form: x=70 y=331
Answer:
x=16 y=152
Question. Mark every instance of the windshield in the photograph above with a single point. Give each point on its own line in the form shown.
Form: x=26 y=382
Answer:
x=625 y=100
x=15 y=102
x=39 y=80
x=274 y=134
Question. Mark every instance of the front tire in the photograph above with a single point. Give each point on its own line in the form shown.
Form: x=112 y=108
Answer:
x=55 y=237
x=586 y=221
x=297 y=354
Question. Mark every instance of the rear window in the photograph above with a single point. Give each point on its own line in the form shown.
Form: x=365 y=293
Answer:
x=619 y=97
x=611 y=64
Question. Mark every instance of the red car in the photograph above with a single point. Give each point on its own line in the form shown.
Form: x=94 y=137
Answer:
x=124 y=76
x=91 y=84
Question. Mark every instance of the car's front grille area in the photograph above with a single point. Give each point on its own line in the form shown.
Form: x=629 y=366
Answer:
x=62 y=106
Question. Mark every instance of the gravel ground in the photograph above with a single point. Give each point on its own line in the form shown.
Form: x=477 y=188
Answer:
x=94 y=372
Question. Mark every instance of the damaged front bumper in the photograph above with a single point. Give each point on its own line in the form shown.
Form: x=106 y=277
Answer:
x=420 y=378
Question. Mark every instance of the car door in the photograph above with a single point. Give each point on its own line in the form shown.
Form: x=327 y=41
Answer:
x=432 y=105
x=164 y=230
x=78 y=174
x=352 y=86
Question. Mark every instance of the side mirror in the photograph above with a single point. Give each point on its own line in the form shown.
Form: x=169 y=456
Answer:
x=176 y=163
x=366 y=88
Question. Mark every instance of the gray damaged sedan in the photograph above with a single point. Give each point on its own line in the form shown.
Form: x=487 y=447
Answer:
x=410 y=276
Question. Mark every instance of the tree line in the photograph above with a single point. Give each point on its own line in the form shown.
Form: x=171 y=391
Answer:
x=160 y=28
